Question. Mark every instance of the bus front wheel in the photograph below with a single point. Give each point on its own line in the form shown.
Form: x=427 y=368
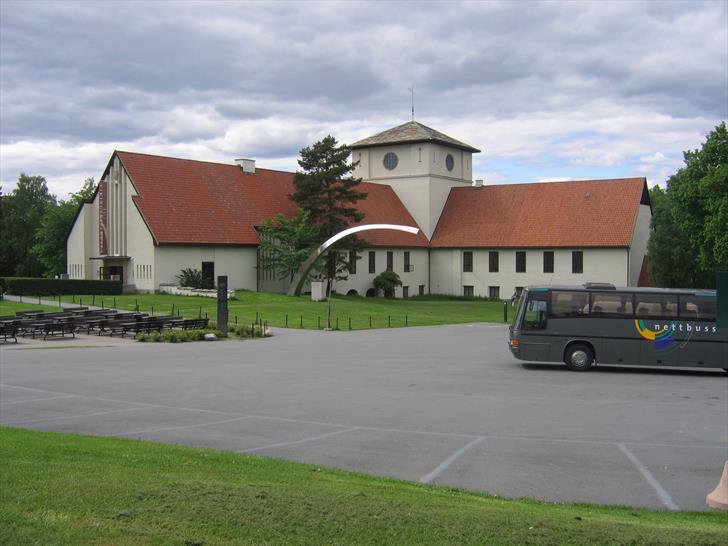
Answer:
x=579 y=357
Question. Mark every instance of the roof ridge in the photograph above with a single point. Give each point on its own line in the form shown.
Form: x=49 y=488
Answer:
x=199 y=161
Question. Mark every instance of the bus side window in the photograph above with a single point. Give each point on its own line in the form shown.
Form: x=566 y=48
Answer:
x=535 y=317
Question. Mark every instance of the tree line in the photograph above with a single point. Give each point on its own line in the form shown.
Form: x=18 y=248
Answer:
x=34 y=225
x=689 y=236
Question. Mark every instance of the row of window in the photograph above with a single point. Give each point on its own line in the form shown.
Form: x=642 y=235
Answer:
x=390 y=160
x=577 y=261
x=407 y=268
x=566 y=304
x=493 y=291
x=143 y=271
x=75 y=271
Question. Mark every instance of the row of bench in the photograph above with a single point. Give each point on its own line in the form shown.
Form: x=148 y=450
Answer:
x=78 y=319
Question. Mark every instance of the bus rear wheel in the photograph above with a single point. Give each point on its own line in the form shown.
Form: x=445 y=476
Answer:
x=579 y=357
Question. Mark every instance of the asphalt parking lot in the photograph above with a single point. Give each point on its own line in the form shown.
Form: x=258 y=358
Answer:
x=446 y=405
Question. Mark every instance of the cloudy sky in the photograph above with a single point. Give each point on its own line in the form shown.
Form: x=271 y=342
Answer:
x=548 y=90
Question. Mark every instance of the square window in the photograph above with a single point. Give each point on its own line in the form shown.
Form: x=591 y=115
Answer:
x=468 y=291
x=494 y=292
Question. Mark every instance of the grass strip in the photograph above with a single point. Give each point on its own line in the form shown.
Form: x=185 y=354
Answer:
x=279 y=310
x=71 y=489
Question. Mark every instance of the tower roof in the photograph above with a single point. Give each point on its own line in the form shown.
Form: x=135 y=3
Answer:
x=411 y=132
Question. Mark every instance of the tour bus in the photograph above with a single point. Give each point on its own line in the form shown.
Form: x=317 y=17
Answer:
x=599 y=323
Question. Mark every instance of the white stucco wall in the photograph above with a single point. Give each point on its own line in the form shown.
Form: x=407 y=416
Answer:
x=78 y=246
x=638 y=248
x=362 y=280
x=238 y=263
x=600 y=265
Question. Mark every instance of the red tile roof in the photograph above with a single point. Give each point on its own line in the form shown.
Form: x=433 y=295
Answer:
x=196 y=202
x=587 y=213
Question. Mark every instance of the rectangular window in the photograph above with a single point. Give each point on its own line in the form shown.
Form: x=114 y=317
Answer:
x=407 y=265
x=660 y=306
x=421 y=290
x=372 y=262
x=520 y=261
x=494 y=292
x=390 y=260
x=611 y=304
x=352 y=262
x=548 y=261
x=468 y=261
x=566 y=304
x=698 y=308
x=405 y=291
x=468 y=291
x=208 y=273
x=577 y=261
x=493 y=261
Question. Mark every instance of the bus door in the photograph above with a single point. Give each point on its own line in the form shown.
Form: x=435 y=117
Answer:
x=534 y=344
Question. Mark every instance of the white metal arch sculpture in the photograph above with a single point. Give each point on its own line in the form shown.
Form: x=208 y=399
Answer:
x=300 y=278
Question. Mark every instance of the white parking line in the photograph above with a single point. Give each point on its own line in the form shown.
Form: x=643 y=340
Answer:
x=429 y=478
x=75 y=416
x=178 y=427
x=662 y=494
x=37 y=400
x=309 y=439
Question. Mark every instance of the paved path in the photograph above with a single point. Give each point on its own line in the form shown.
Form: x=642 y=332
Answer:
x=444 y=405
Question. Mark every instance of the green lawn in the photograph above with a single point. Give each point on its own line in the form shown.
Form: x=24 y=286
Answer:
x=10 y=307
x=274 y=308
x=71 y=489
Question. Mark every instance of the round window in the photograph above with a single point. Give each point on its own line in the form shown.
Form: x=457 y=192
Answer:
x=449 y=162
x=390 y=161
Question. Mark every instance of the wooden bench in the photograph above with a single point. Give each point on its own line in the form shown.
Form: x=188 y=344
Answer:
x=8 y=329
x=59 y=328
x=194 y=324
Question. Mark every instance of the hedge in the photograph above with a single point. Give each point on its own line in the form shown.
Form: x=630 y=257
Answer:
x=30 y=286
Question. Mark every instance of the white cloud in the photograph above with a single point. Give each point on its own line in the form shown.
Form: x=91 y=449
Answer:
x=553 y=90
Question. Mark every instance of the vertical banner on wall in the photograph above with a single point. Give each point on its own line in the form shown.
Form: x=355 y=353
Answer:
x=222 y=304
x=721 y=283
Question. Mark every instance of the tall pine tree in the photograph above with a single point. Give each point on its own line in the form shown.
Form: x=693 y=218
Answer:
x=326 y=190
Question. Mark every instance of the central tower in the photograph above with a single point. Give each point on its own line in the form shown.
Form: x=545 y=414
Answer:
x=419 y=163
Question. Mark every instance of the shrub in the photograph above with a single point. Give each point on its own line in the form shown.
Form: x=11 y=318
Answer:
x=31 y=286
x=193 y=278
x=387 y=281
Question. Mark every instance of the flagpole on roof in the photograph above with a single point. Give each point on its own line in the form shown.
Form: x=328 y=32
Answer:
x=412 y=97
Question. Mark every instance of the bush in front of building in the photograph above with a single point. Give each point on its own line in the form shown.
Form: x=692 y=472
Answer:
x=386 y=282
x=34 y=286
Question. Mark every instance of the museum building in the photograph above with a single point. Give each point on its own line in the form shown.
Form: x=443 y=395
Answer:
x=152 y=216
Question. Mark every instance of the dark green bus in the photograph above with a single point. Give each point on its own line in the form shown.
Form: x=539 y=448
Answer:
x=600 y=323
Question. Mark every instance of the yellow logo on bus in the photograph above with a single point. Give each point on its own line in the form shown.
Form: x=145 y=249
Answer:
x=662 y=338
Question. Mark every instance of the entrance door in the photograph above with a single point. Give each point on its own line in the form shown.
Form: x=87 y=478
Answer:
x=208 y=273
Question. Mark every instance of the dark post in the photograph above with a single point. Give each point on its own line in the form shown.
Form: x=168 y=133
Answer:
x=721 y=283
x=370 y=322
x=222 y=304
x=505 y=311
x=286 y=320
